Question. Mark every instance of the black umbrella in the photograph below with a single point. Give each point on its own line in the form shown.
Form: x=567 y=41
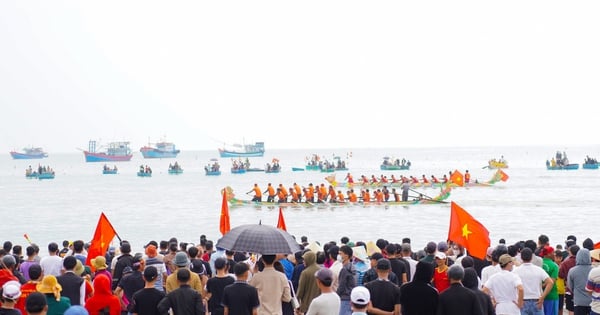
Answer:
x=260 y=239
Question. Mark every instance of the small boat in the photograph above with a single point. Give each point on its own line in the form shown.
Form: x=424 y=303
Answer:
x=29 y=153
x=560 y=162
x=316 y=163
x=108 y=170
x=145 y=171
x=175 y=169
x=213 y=168
x=247 y=150
x=159 y=150
x=42 y=172
x=497 y=164
x=390 y=164
x=273 y=167
x=590 y=163
x=114 y=152
x=297 y=169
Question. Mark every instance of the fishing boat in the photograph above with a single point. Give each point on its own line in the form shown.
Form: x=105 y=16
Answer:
x=497 y=164
x=418 y=200
x=590 y=163
x=213 y=168
x=175 y=169
x=560 y=162
x=247 y=150
x=391 y=164
x=42 y=172
x=107 y=170
x=113 y=152
x=29 y=153
x=46 y=175
x=273 y=167
x=159 y=150
x=145 y=171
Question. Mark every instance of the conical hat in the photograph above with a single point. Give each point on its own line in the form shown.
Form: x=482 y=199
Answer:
x=372 y=248
x=315 y=247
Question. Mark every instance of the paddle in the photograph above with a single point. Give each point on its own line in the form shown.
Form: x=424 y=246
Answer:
x=487 y=166
x=420 y=194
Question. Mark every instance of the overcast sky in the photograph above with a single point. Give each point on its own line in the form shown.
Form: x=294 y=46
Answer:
x=299 y=74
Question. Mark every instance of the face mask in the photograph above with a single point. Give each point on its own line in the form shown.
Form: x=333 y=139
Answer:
x=339 y=258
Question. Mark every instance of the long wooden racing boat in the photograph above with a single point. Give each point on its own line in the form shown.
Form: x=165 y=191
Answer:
x=422 y=199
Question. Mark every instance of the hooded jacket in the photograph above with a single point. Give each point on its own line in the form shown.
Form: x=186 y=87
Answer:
x=307 y=286
x=103 y=297
x=577 y=278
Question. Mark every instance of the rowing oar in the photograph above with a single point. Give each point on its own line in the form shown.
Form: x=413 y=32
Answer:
x=487 y=166
x=421 y=194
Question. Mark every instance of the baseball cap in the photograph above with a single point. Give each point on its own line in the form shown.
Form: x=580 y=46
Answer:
x=324 y=274
x=440 y=255
x=11 y=290
x=360 y=295
x=505 y=259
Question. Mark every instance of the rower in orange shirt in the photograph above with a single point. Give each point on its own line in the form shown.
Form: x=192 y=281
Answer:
x=467 y=176
x=352 y=196
x=257 y=193
x=281 y=195
x=379 y=195
x=322 y=193
x=425 y=181
x=366 y=195
x=298 y=190
x=340 y=197
x=271 y=193
x=294 y=195
x=309 y=193
x=332 y=194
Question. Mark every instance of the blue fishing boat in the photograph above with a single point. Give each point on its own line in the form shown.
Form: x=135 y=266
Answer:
x=107 y=170
x=213 y=168
x=175 y=169
x=159 y=151
x=114 y=152
x=145 y=171
x=590 y=163
x=248 y=150
x=46 y=175
x=560 y=162
x=29 y=153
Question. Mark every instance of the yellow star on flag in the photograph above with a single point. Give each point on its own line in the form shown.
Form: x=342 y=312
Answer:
x=465 y=231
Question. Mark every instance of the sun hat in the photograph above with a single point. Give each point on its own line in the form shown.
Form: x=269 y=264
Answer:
x=49 y=285
x=505 y=259
x=79 y=269
x=99 y=263
x=181 y=260
x=11 y=290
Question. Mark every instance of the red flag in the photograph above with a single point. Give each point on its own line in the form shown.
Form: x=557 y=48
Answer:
x=281 y=221
x=503 y=176
x=224 y=225
x=102 y=237
x=468 y=232
x=457 y=178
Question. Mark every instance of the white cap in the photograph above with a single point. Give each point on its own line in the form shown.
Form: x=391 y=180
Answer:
x=360 y=295
x=11 y=290
x=440 y=255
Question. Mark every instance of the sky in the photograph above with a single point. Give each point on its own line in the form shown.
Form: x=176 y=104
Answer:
x=298 y=74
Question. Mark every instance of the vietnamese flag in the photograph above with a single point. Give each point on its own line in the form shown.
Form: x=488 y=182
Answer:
x=224 y=225
x=468 y=232
x=102 y=237
x=503 y=176
x=281 y=221
x=457 y=178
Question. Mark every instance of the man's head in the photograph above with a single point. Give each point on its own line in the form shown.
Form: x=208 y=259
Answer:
x=183 y=275
x=506 y=262
x=241 y=270
x=324 y=276
x=36 y=303
x=526 y=255
x=69 y=262
x=150 y=274
x=52 y=248
x=346 y=252
x=220 y=263
x=456 y=273
x=383 y=266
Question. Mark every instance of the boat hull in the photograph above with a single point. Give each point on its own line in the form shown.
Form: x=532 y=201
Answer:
x=393 y=167
x=590 y=166
x=297 y=169
x=24 y=156
x=103 y=157
x=154 y=153
x=238 y=171
x=46 y=176
x=563 y=167
x=225 y=153
x=109 y=171
x=497 y=165
x=143 y=174
x=175 y=172
x=213 y=173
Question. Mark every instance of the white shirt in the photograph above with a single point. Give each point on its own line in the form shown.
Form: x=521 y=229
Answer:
x=335 y=268
x=324 y=304
x=52 y=265
x=533 y=278
x=488 y=271
x=503 y=286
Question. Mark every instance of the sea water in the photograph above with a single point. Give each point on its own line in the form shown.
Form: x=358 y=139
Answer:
x=533 y=201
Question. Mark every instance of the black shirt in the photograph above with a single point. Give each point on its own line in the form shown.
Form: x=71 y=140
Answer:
x=241 y=298
x=215 y=286
x=145 y=301
x=384 y=294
